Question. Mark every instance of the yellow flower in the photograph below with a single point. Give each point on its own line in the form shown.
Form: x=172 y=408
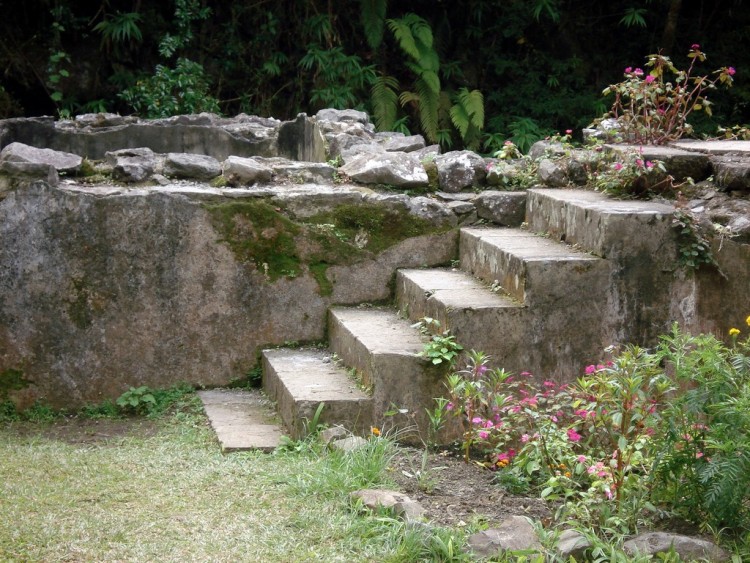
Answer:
x=747 y=320
x=567 y=474
x=375 y=430
x=735 y=331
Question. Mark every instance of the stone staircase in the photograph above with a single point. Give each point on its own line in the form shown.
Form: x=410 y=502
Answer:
x=586 y=271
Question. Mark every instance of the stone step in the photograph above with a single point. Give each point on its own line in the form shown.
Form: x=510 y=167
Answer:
x=384 y=349
x=607 y=227
x=242 y=419
x=299 y=380
x=531 y=269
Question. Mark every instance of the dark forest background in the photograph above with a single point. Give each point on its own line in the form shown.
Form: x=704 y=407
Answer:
x=467 y=73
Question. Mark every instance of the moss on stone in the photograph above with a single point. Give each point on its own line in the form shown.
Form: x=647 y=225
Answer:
x=11 y=380
x=259 y=233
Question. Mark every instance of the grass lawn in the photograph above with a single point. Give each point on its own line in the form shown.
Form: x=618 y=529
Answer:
x=169 y=495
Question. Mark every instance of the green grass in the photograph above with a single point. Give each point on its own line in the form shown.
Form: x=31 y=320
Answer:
x=173 y=497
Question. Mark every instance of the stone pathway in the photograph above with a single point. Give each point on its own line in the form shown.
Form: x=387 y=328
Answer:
x=242 y=419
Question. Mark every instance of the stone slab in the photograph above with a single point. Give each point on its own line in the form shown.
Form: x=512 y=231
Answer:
x=300 y=380
x=714 y=147
x=242 y=419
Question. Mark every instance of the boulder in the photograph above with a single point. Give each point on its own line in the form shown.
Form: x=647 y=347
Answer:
x=239 y=170
x=546 y=149
x=681 y=164
x=504 y=172
x=571 y=544
x=458 y=170
x=402 y=143
x=503 y=208
x=343 y=115
x=688 y=548
x=513 y=534
x=552 y=173
x=405 y=507
x=198 y=166
x=13 y=174
x=63 y=162
x=397 y=169
x=732 y=173
x=301 y=139
x=132 y=165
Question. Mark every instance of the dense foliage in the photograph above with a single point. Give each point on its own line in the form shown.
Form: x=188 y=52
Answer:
x=463 y=73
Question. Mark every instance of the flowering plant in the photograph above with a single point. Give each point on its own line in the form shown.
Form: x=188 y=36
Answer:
x=630 y=175
x=652 y=106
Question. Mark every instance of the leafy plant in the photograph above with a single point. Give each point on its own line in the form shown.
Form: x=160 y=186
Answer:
x=146 y=401
x=630 y=176
x=653 y=108
x=442 y=347
x=122 y=28
x=172 y=91
x=694 y=249
x=338 y=78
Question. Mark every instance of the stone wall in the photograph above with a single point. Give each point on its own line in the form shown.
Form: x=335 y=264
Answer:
x=161 y=277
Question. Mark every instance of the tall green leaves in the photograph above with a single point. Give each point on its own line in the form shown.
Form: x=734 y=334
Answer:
x=373 y=20
x=467 y=115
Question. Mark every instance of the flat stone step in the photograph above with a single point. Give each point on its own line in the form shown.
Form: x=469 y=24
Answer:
x=242 y=419
x=300 y=380
x=607 y=227
x=384 y=349
x=531 y=269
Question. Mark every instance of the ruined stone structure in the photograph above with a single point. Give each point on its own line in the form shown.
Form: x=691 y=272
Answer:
x=154 y=252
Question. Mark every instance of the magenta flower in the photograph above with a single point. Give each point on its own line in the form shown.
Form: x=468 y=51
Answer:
x=483 y=435
x=731 y=70
x=617 y=166
x=449 y=406
x=639 y=163
x=638 y=72
x=570 y=131
x=592 y=368
x=628 y=70
x=581 y=459
x=481 y=369
x=488 y=424
x=525 y=438
x=649 y=79
x=695 y=47
x=583 y=413
x=574 y=436
x=549 y=383
x=476 y=420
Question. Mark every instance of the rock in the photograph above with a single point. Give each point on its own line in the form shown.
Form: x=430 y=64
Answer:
x=301 y=172
x=431 y=210
x=241 y=171
x=552 y=173
x=343 y=115
x=404 y=144
x=63 y=162
x=461 y=207
x=427 y=153
x=132 y=165
x=301 y=139
x=13 y=174
x=503 y=172
x=333 y=433
x=397 y=169
x=347 y=145
x=514 y=533
x=198 y=166
x=503 y=208
x=732 y=173
x=571 y=544
x=606 y=130
x=408 y=509
x=458 y=170
x=348 y=444
x=688 y=548
x=546 y=149
x=96 y=120
x=681 y=164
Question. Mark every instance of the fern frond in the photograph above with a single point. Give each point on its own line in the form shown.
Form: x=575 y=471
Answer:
x=402 y=32
x=473 y=102
x=428 y=109
x=407 y=97
x=460 y=119
x=431 y=80
x=373 y=20
x=421 y=31
x=384 y=102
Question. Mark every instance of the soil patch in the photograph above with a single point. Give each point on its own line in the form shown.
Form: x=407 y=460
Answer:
x=86 y=431
x=455 y=493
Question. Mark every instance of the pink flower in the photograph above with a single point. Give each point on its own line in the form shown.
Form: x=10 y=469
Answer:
x=649 y=79
x=581 y=459
x=483 y=435
x=583 y=413
x=608 y=493
x=695 y=47
x=638 y=72
x=628 y=70
x=481 y=369
x=449 y=406
x=488 y=424
x=527 y=374
x=570 y=131
x=592 y=368
x=731 y=70
x=639 y=163
x=525 y=438
x=649 y=164
x=549 y=383
x=506 y=456
x=698 y=455
x=616 y=166
x=573 y=436
x=477 y=420
x=554 y=418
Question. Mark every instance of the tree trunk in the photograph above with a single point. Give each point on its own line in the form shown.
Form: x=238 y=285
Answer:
x=670 y=27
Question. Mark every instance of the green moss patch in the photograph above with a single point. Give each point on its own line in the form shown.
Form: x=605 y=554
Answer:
x=12 y=380
x=261 y=234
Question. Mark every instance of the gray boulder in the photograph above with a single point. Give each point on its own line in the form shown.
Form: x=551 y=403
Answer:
x=198 y=166
x=504 y=172
x=396 y=169
x=546 y=149
x=571 y=544
x=513 y=534
x=688 y=548
x=13 y=174
x=552 y=173
x=400 y=143
x=63 y=162
x=732 y=173
x=503 y=208
x=458 y=170
x=405 y=507
x=132 y=165
x=343 y=115
x=245 y=171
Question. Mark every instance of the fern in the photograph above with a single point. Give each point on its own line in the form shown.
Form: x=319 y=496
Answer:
x=428 y=108
x=402 y=32
x=467 y=115
x=373 y=20
x=385 y=102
